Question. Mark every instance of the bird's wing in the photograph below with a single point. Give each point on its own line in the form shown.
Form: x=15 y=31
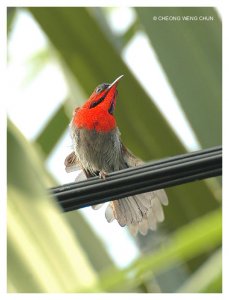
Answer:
x=71 y=163
x=130 y=159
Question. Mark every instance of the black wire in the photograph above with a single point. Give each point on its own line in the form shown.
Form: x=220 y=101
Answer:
x=152 y=176
x=165 y=162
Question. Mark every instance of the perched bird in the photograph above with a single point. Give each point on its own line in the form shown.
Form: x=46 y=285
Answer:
x=98 y=150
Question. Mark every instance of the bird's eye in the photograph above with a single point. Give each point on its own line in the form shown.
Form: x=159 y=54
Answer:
x=98 y=89
x=101 y=87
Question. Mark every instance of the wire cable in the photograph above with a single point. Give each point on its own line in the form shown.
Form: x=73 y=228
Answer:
x=158 y=174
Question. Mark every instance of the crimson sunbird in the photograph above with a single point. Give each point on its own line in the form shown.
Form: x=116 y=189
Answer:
x=98 y=150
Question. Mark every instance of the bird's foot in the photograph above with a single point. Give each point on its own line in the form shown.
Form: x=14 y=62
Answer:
x=102 y=175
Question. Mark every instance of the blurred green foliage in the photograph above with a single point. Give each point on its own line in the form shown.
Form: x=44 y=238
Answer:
x=188 y=241
x=191 y=55
x=43 y=253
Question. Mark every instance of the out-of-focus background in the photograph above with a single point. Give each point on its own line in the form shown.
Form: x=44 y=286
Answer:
x=169 y=103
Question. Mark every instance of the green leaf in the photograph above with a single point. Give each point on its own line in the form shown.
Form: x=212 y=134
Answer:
x=42 y=253
x=215 y=286
x=206 y=277
x=99 y=14
x=118 y=40
x=129 y=34
x=11 y=14
x=191 y=240
x=36 y=64
x=190 y=52
x=90 y=242
x=53 y=130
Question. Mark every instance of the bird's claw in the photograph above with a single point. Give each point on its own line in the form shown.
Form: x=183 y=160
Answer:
x=102 y=175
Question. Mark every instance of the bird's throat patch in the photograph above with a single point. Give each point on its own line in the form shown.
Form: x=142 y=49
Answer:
x=91 y=119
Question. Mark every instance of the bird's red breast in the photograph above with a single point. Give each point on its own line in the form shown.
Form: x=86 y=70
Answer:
x=98 y=119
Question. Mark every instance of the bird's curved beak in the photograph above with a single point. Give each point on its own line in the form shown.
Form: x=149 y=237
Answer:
x=111 y=93
x=115 y=82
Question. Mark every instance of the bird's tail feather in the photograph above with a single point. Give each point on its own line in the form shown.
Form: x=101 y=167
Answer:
x=140 y=212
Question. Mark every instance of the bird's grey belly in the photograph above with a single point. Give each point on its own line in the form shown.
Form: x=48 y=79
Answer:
x=99 y=151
